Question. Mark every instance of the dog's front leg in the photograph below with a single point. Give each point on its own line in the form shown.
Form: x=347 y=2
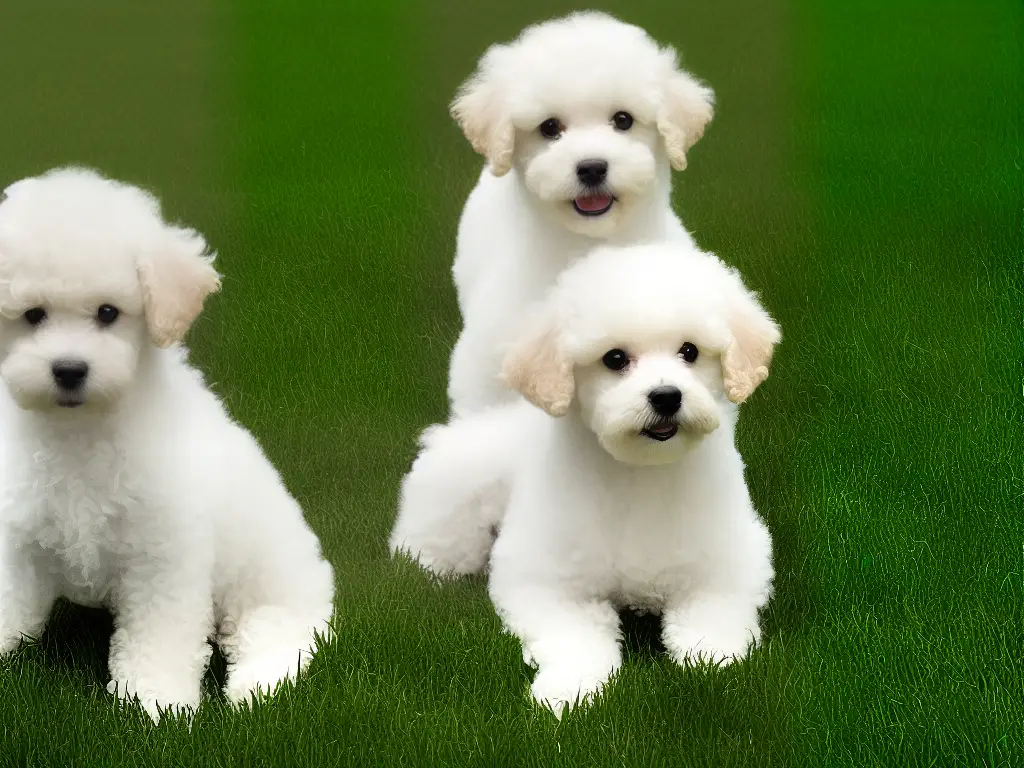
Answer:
x=159 y=650
x=573 y=643
x=27 y=593
x=717 y=628
x=716 y=620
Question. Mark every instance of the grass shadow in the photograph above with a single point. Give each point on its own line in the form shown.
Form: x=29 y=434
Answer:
x=641 y=635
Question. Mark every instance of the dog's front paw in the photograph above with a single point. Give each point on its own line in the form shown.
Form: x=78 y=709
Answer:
x=13 y=634
x=260 y=677
x=561 y=689
x=450 y=560
x=715 y=645
x=9 y=641
x=156 y=703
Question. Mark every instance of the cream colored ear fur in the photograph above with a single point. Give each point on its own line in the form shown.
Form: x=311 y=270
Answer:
x=480 y=111
x=176 y=276
x=754 y=335
x=537 y=367
x=687 y=107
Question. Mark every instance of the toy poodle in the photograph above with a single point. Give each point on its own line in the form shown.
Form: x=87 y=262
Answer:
x=124 y=483
x=581 y=120
x=616 y=483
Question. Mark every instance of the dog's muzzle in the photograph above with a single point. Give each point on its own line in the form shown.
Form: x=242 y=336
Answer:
x=70 y=377
x=593 y=174
x=666 y=402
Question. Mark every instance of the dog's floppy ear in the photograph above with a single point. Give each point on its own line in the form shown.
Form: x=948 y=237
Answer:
x=479 y=109
x=687 y=106
x=753 y=336
x=176 y=276
x=538 y=368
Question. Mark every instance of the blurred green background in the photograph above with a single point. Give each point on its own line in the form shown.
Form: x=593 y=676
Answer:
x=863 y=170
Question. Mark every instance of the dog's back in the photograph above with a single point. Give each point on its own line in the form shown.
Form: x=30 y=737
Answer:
x=454 y=497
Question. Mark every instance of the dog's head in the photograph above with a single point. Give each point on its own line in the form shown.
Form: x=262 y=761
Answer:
x=90 y=274
x=651 y=342
x=591 y=112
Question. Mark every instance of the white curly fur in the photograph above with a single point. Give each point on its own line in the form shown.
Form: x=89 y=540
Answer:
x=145 y=497
x=520 y=227
x=593 y=513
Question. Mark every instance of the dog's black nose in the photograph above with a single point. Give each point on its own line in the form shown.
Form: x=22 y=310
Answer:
x=665 y=400
x=592 y=172
x=69 y=374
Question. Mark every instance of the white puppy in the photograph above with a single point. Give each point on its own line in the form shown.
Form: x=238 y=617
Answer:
x=581 y=120
x=123 y=481
x=636 y=496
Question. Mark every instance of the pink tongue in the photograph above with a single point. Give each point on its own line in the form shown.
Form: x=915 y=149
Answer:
x=590 y=203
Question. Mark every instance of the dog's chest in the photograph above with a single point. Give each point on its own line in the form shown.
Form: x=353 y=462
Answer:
x=646 y=584
x=653 y=555
x=79 y=501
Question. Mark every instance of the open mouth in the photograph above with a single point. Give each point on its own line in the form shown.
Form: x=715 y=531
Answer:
x=662 y=431
x=593 y=205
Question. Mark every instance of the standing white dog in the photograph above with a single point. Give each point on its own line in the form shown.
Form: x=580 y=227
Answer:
x=581 y=120
x=123 y=482
x=636 y=496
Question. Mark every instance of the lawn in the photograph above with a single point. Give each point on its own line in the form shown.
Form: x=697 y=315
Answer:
x=863 y=170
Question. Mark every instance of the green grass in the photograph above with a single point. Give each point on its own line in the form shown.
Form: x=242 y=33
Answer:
x=864 y=171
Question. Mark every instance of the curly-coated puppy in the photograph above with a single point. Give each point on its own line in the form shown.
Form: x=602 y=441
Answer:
x=633 y=495
x=581 y=120
x=123 y=481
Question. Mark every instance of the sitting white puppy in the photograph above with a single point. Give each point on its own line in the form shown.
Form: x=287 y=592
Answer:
x=636 y=496
x=581 y=120
x=123 y=482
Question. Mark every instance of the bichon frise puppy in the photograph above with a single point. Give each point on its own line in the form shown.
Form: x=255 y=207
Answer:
x=634 y=495
x=123 y=481
x=581 y=120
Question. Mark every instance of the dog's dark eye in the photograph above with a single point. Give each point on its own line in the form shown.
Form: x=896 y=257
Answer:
x=35 y=316
x=551 y=128
x=106 y=315
x=689 y=352
x=623 y=121
x=615 y=359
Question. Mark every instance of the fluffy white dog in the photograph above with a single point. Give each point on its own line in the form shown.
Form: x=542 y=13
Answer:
x=581 y=120
x=636 y=496
x=123 y=482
